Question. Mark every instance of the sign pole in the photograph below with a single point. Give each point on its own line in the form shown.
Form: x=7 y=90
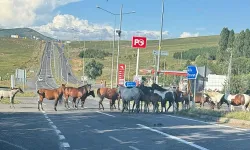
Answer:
x=137 y=61
x=194 y=93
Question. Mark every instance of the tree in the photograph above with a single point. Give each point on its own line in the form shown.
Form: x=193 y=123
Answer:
x=231 y=38
x=93 y=69
x=246 y=46
x=224 y=35
x=201 y=60
x=239 y=44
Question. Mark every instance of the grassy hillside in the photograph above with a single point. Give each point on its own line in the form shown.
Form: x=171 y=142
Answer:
x=23 y=32
x=19 y=53
x=146 y=57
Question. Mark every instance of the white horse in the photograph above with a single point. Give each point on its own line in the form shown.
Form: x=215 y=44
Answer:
x=10 y=94
x=215 y=97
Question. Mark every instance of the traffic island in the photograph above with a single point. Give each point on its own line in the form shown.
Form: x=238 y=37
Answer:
x=239 y=118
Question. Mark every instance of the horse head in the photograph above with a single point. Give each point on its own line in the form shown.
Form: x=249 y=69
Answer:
x=222 y=99
x=91 y=92
x=20 y=90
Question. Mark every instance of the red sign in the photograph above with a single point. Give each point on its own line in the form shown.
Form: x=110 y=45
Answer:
x=139 y=42
x=121 y=74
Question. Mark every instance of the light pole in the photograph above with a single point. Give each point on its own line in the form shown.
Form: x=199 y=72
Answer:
x=112 y=64
x=159 y=48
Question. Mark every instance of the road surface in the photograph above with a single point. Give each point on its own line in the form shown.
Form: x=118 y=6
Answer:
x=91 y=129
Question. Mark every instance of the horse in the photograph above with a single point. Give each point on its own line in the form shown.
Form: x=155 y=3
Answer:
x=128 y=94
x=109 y=93
x=91 y=92
x=214 y=98
x=10 y=94
x=166 y=95
x=76 y=93
x=235 y=100
x=154 y=99
x=50 y=94
x=147 y=95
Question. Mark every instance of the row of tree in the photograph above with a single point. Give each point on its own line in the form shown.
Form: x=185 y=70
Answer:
x=94 y=53
x=192 y=54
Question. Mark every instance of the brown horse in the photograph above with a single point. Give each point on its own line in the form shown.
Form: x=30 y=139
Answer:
x=111 y=94
x=235 y=100
x=54 y=94
x=76 y=93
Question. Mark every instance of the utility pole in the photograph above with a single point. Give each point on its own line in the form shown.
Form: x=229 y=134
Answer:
x=159 y=48
x=229 y=71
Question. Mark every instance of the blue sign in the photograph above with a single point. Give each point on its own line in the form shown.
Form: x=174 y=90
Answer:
x=130 y=84
x=192 y=72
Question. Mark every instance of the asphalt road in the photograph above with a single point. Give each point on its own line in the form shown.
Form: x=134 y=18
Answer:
x=67 y=73
x=45 y=71
x=91 y=129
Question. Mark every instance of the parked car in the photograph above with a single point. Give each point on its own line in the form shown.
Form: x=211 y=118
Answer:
x=40 y=79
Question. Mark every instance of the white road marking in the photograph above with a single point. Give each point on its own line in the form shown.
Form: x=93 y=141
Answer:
x=207 y=122
x=20 y=147
x=54 y=127
x=117 y=140
x=58 y=132
x=105 y=114
x=61 y=137
x=172 y=137
x=65 y=144
x=134 y=148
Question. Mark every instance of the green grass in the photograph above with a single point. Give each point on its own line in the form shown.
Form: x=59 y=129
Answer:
x=146 y=57
x=196 y=112
x=7 y=101
x=19 y=53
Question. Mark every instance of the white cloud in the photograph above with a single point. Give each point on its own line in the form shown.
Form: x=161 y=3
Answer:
x=23 y=13
x=188 y=34
x=66 y=27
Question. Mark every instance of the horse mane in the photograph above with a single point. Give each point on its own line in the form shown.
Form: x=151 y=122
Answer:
x=157 y=87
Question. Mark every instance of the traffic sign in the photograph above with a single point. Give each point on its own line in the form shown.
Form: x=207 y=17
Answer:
x=121 y=72
x=139 y=42
x=192 y=72
x=163 y=53
x=130 y=84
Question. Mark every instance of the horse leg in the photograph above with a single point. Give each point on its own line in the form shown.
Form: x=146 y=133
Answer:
x=170 y=104
x=100 y=103
x=123 y=105
x=38 y=102
x=56 y=101
x=132 y=107
x=66 y=98
x=119 y=104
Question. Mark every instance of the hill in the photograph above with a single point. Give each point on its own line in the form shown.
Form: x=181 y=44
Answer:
x=23 y=32
x=128 y=54
x=19 y=53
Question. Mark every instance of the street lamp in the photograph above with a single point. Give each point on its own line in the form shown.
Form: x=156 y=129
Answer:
x=119 y=33
x=159 y=48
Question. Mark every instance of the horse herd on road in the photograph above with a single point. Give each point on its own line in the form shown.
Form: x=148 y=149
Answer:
x=153 y=94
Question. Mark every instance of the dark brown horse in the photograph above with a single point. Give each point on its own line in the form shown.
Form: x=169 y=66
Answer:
x=76 y=93
x=111 y=94
x=91 y=92
x=54 y=94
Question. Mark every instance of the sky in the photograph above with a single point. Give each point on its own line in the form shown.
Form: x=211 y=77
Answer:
x=81 y=20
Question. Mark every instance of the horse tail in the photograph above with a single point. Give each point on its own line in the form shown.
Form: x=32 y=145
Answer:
x=98 y=92
x=42 y=94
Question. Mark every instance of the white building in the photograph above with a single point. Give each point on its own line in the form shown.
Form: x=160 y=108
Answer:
x=14 y=36
x=215 y=82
